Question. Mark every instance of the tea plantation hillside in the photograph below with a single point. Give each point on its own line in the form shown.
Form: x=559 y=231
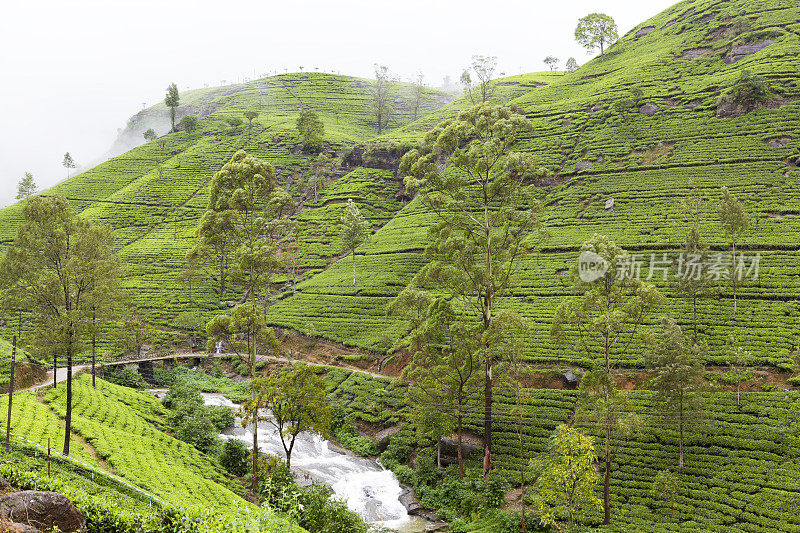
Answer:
x=645 y=159
x=154 y=195
x=741 y=470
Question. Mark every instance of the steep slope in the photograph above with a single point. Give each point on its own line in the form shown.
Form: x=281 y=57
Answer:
x=682 y=60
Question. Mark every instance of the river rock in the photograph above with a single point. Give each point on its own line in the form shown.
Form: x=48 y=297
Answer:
x=42 y=510
x=436 y=526
x=382 y=437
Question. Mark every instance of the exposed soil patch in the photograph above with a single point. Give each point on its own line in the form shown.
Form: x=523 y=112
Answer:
x=655 y=155
x=325 y=352
x=648 y=110
x=583 y=165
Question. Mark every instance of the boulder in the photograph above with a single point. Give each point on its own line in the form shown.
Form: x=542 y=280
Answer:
x=648 y=110
x=694 y=53
x=42 y=510
x=583 y=165
x=644 y=31
x=382 y=437
x=610 y=203
x=797 y=163
x=598 y=107
x=10 y=527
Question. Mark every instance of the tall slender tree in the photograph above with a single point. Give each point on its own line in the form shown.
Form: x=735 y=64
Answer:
x=677 y=372
x=172 y=100
x=381 y=97
x=355 y=229
x=485 y=211
x=68 y=163
x=63 y=268
x=603 y=323
x=734 y=223
x=484 y=67
x=250 y=115
x=692 y=283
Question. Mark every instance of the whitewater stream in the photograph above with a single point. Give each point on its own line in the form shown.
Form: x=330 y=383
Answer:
x=370 y=490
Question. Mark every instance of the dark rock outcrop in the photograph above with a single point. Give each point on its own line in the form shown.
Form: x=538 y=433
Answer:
x=42 y=510
x=644 y=31
x=583 y=165
x=694 y=53
x=739 y=52
x=648 y=110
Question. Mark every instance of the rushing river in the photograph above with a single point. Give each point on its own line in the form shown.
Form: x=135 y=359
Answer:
x=370 y=490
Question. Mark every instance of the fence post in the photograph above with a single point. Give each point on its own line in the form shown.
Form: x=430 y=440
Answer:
x=11 y=393
x=48 y=457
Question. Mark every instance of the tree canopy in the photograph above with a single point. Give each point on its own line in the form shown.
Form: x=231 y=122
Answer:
x=596 y=30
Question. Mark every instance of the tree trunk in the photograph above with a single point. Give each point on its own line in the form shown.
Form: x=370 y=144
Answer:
x=94 y=348
x=733 y=274
x=439 y=453
x=252 y=349
x=694 y=317
x=607 y=490
x=680 y=443
x=55 y=370
x=11 y=393
x=354 y=266
x=460 y=455
x=487 y=419
x=68 y=416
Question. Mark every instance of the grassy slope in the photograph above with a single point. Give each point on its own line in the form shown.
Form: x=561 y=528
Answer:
x=646 y=164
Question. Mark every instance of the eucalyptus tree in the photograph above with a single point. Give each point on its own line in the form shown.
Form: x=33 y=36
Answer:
x=485 y=210
x=149 y=135
x=68 y=163
x=572 y=65
x=355 y=230
x=250 y=116
x=602 y=322
x=734 y=223
x=381 y=97
x=677 y=369
x=63 y=269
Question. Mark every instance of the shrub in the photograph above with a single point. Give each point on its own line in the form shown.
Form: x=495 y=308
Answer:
x=127 y=377
x=234 y=457
x=749 y=90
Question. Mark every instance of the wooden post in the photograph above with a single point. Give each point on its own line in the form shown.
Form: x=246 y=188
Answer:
x=55 y=370
x=48 y=456
x=11 y=393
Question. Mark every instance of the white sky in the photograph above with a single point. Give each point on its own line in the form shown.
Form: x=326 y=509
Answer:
x=72 y=72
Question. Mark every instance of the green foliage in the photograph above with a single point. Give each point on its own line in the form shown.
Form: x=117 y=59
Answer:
x=149 y=135
x=572 y=65
x=189 y=123
x=748 y=90
x=172 y=100
x=667 y=488
x=566 y=478
x=125 y=377
x=296 y=400
x=26 y=187
x=596 y=30
x=355 y=230
x=234 y=457
x=311 y=130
